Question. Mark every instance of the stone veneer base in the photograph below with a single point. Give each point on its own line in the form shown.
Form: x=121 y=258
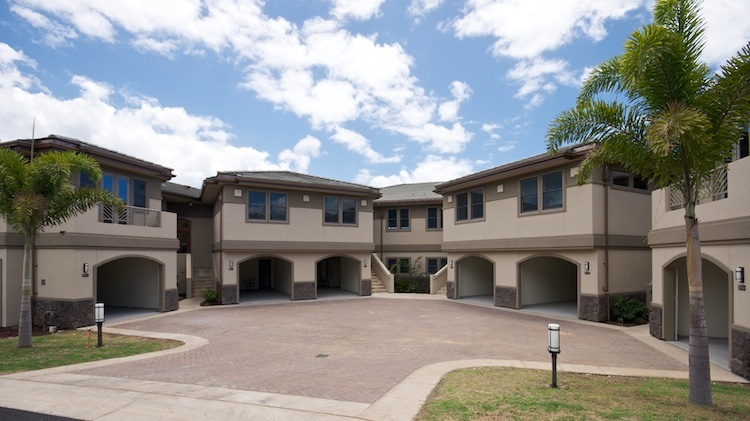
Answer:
x=171 y=299
x=505 y=297
x=304 y=291
x=65 y=314
x=592 y=308
x=229 y=294
x=739 y=361
x=450 y=290
x=655 y=321
x=365 y=287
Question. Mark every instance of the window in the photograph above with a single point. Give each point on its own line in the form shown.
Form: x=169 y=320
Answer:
x=340 y=211
x=183 y=234
x=265 y=206
x=552 y=192
x=470 y=205
x=398 y=219
x=85 y=181
x=139 y=193
x=434 y=218
x=398 y=265
x=625 y=179
x=434 y=264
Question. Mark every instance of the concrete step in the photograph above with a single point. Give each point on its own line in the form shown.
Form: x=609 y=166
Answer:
x=377 y=285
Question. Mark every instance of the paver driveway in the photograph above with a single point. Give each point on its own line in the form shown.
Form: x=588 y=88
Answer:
x=356 y=350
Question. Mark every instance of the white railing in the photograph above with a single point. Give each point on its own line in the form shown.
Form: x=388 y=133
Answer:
x=438 y=280
x=382 y=272
x=130 y=215
x=714 y=188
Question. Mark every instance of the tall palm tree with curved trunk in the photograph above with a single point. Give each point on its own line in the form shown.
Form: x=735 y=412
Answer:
x=37 y=193
x=659 y=111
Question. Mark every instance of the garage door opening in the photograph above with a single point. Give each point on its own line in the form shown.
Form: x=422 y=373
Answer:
x=717 y=303
x=264 y=279
x=129 y=287
x=338 y=276
x=549 y=284
x=475 y=280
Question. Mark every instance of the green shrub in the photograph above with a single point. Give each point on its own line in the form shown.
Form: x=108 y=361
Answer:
x=628 y=310
x=412 y=284
x=211 y=296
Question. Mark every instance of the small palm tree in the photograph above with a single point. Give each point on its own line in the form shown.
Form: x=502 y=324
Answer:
x=37 y=193
x=657 y=110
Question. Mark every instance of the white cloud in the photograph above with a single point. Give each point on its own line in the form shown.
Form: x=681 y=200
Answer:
x=727 y=29
x=195 y=146
x=440 y=138
x=433 y=168
x=359 y=144
x=56 y=34
x=422 y=7
x=490 y=130
x=298 y=158
x=356 y=9
x=508 y=146
x=448 y=110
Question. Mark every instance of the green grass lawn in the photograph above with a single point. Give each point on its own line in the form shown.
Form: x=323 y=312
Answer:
x=491 y=393
x=70 y=347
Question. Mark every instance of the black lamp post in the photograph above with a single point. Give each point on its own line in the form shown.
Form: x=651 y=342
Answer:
x=99 y=319
x=553 y=346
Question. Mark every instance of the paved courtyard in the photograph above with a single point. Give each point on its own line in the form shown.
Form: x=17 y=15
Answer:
x=356 y=350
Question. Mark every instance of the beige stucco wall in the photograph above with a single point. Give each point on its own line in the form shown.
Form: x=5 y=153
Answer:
x=10 y=285
x=416 y=235
x=88 y=223
x=413 y=256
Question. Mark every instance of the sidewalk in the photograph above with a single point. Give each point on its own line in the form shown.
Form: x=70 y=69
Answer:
x=74 y=391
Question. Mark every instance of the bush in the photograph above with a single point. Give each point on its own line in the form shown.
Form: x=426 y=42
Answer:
x=629 y=310
x=412 y=284
x=211 y=296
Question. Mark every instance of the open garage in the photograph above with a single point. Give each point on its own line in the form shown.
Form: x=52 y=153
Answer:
x=260 y=277
x=545 y=280
x=338 y=273
x=129 y=285
x=475 y=278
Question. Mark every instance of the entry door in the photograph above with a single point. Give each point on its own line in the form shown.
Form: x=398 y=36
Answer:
x=264 y=273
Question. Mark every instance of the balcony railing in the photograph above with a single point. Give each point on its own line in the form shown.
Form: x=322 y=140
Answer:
x=713 y=189
x=130 y=215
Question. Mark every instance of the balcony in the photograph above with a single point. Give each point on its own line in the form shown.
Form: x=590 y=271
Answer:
x=716 y=187
x=130 y=215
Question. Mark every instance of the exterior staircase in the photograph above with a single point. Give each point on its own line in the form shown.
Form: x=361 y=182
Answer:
x=443 y=291
x=203 y=279
x=377 y=285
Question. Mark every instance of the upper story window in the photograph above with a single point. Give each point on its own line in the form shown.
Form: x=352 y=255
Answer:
x=625 y=179
x=131 y=192
x=551 y=190
x=183 y=235
x=266 y=206
x=398 y=219
x=434 y=218
x=340 y=211
x=470 y=205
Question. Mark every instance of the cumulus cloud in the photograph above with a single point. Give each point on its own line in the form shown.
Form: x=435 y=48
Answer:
x=448 y=110
x=359 y=144
x=490 y=128
x=356 y=9
x=194 y=146
x=423 y=7
x=433 y=168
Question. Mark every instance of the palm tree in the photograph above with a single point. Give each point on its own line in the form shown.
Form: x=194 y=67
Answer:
x=657 y=110
x=36 y=193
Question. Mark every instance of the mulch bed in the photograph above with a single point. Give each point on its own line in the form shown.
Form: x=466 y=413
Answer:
x=12 y=332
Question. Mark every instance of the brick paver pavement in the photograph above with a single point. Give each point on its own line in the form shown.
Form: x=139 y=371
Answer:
x=356 y=350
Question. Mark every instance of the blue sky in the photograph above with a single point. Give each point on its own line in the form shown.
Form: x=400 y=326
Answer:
x=378 y=92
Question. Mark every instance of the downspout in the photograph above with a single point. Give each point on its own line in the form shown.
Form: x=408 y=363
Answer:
x=605 y=287
x=382 y=234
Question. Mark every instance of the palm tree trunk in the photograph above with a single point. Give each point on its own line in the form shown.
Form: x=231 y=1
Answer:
x=24 y=322
x=699 y=363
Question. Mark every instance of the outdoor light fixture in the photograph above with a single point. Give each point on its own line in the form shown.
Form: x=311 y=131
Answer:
x=85 y=268
x=586 y=267
x=553 y=346
x=364 y=262
x=739 y=275
x=99 y=319
x=231 y=265
x=451 y=263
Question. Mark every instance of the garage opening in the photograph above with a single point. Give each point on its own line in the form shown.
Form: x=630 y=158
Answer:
x=716 y=284
x=264 y=279
x=549 y=284
x=129 y=287
x=475 y=280
x=338 y=276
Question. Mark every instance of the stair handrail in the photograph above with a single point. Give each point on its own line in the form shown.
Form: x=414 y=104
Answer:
x=382 y=272
x=438 y=280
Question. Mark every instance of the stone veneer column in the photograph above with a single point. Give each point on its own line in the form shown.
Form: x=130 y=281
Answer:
x=229 y=294
x=505 y=297
x=65 y=314
x=171 y=299
x=656 y=321
x=304 y=291
x=739 y=361
x=592 y=308
x=450 y=290
x=365 y=287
